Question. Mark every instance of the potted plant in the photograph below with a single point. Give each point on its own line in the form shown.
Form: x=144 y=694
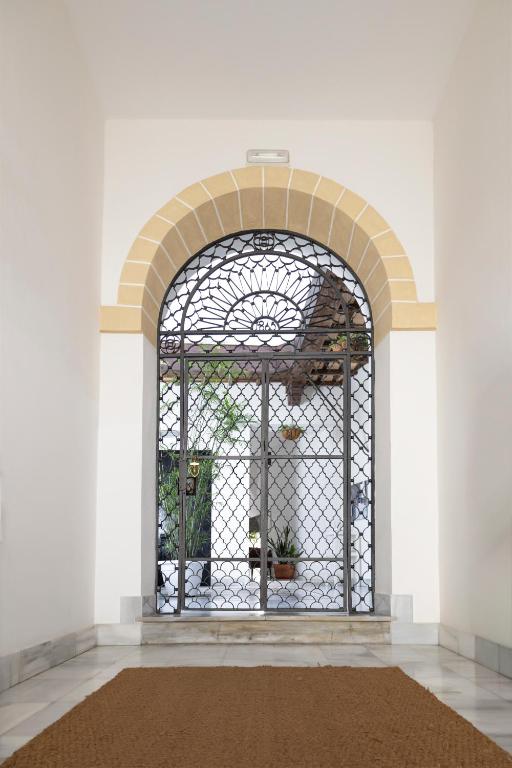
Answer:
x=360 y=342
x=291 y=431
x=284 y=549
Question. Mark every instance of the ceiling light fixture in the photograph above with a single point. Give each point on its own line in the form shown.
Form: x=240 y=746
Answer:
x=267 y=156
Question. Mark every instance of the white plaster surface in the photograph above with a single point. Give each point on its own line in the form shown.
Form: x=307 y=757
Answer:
x=51 y=135
x=473 y=194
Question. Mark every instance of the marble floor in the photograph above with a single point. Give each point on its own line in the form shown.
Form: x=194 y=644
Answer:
x=481 y=696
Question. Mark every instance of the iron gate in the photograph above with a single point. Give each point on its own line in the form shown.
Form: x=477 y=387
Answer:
x=265 y=437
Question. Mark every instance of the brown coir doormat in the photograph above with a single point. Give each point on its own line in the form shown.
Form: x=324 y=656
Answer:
x=232 y=717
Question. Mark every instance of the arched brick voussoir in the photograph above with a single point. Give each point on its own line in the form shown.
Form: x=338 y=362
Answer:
x=323 y=204
x=179 y=216
x=249 y=183
x=267 y=197
x=197 y=200
x=224 y=192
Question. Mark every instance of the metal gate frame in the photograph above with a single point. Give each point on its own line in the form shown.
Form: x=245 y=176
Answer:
x=264 y=457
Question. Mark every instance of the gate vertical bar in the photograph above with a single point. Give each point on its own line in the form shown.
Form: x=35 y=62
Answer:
x=347 y=470
x=371 y=360
x=157 y=473
x=182 y=480
x=264 y=484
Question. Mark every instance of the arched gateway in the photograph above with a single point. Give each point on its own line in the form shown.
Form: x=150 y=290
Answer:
x=265 y=436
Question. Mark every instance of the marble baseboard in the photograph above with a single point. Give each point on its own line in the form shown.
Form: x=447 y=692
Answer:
x=485 y=652
x=21 y=665
x=462 y=643
x=399 y=607
x=403 y=633
x=118 y=634
x=382 y=604
x=133 y=607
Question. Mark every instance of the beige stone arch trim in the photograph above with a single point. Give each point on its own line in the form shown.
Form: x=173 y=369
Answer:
x=266 y=197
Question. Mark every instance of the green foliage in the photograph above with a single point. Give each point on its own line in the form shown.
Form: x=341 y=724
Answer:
x=217 y=422
x=282 y=547
x=218 y=413
x=168 y=498
x=360 y=341
x=198 y=508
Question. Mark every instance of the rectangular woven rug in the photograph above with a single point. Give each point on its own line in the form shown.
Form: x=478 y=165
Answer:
x=232 y=717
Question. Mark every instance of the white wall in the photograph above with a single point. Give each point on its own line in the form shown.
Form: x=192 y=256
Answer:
x=51 y=138
x=473 y=189
x=149 y=161
x=413 y=464
x=126 y=513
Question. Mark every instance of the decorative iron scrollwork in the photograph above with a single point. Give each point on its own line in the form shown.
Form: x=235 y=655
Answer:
x=263 y=241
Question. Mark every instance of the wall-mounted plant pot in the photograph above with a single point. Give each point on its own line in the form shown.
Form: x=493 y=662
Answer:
x=284 y=570
x=291 y=433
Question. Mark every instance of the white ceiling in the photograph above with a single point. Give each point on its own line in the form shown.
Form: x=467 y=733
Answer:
x=335 y=59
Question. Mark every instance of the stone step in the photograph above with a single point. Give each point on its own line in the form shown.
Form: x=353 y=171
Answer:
x=264 y=628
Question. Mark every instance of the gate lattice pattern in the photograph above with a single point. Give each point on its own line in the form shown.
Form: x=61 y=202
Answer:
x=265 y=441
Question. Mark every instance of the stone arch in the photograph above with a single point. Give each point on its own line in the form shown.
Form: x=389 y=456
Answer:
x=261 y=197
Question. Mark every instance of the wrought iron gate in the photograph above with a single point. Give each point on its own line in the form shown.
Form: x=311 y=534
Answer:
x=265 y=437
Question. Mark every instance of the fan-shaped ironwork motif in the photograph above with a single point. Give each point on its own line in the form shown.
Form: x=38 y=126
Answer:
x=264 y=335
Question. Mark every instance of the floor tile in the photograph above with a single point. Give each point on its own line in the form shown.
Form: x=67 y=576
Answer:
x=85 y=689
x=338 y=656
x=9 y=744
x=107 y=652
x=37 y=690
x=175 y=655
x=492 y=720
x=354 y=661
x=473 y=700
x=480 y=695
x=431 y=652
x=395 y=654
x=273 y=655
x=502 y=687
x=472 y=670
x=63 y=672
x=504 y=741
x=359 y=650
x=47 y=715
x=443 y=683
x=12 y=714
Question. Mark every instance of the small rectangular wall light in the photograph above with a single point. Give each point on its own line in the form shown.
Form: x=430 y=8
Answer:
x=267 y=156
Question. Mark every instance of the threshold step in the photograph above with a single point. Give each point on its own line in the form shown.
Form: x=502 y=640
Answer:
x=266 y=628
x=249 y=616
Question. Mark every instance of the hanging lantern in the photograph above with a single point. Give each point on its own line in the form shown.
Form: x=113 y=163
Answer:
x=193 y=467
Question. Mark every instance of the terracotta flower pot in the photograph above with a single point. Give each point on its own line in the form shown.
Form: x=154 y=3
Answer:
x=284 y=570
x=291 y=433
